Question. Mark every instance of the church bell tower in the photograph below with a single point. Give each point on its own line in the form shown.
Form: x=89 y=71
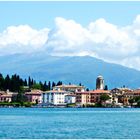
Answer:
x=100 y=82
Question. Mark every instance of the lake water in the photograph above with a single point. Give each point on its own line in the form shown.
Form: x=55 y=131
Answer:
x=69 y=123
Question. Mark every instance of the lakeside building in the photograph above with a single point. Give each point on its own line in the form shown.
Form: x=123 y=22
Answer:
x=34 y=96
x=83 y=97
x=6 y=96
x=130 y=95
x=54 y=97
x=90 y=97
x=136 y=92
x=70 y=99
x=121 y=95
x=70 y=88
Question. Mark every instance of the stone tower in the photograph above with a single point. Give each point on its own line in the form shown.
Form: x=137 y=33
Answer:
x=100 y=82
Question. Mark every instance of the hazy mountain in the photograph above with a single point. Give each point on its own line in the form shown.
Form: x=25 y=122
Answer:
x=69 y=69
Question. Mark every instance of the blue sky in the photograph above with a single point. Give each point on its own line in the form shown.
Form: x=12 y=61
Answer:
x=42 y=14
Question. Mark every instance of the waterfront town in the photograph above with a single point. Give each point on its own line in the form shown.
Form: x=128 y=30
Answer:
x=78 y=96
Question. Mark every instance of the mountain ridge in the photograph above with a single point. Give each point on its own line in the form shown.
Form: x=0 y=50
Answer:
x=76 y=69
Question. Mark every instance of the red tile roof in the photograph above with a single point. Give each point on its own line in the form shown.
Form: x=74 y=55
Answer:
x=99 y=91
x=34 y=92
x=136 y=91
x=69 y=86
x=95 y=91
x=56 y=91
x=83 y=92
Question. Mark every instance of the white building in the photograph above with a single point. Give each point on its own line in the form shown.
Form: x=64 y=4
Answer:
x=70 y=88
x=70 y=99
x=54 y=97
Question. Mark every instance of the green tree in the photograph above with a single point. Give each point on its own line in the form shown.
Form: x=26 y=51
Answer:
x=137 y=98
x=106 y=87
x=59 y=83
x=32 y=82
x=104 y=97
x=29 y=81
x=7 y=83
x=19 y=98
x=36 y=86
x=138 y=103
x=53 y=84
x=45 y=86
x=87 y=89
x=1 y=82
x=49 y=85
x=25 y=82
x=131 y=101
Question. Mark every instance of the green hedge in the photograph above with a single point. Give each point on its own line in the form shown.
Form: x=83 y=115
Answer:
x=16 y=104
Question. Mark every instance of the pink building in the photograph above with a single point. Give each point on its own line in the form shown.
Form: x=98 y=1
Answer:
x=34 y=96
x=6 y=96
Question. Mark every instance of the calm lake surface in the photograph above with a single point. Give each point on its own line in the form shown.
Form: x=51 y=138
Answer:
x=69 y=123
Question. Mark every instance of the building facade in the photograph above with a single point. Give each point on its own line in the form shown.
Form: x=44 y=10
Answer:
x=70 y=99
x=6 y=96
x=70 y=88
x=83 y=98
x=90 y=97
x=54 y=97
x=34 y=96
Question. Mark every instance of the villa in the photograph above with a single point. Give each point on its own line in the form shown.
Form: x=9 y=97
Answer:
x=70 y=88
x=34 y=96
x=6 y=96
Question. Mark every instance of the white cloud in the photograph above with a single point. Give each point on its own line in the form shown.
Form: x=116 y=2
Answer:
x=99 y=39
x=21 y=39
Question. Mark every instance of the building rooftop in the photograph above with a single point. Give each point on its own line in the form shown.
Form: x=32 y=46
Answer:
x=95 y=91
x=124 y=89
x=35 y=91
x=7 y=92
x=55 y=91
x=99 y=91
x=100 y=77
x=6 y=95
x=2 y=92
x=136 y=91
x=69 y=86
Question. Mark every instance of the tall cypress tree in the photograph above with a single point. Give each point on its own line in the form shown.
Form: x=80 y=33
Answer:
x=29 y=81
x=49 y=85
x=7 y=83
x=53 y=84
x=25 y=82
x=45 y=86
x=1 y=82
x=32 y=82
x=59 y=83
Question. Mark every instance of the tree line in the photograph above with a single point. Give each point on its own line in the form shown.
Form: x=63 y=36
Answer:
x=15 y=83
